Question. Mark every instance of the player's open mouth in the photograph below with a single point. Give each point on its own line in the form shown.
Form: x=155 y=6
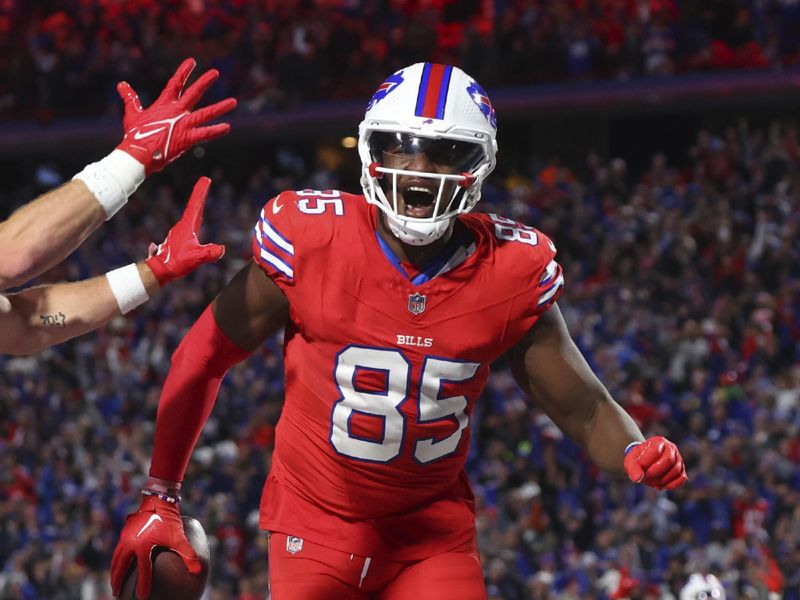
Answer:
x=419 y=200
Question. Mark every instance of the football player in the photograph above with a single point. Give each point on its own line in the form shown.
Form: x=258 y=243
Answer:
x=393 y=304
x=44 y=232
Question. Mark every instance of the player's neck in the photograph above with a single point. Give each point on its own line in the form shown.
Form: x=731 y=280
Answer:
x=419 y=256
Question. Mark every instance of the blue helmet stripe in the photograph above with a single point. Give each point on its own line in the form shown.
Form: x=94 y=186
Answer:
x=443 y=92
x=423 y=89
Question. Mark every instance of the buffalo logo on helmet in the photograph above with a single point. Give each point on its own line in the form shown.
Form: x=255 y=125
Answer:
x=478 y=95
x=386 y=88
x=416 y=303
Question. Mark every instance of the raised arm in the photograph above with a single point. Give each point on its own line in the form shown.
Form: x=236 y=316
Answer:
x=47 y=315
x=44 y=232
x=549 y=367
x=50 y=314
x=250 y=309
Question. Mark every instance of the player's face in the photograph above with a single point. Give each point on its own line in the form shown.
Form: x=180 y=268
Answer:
x=416 y=195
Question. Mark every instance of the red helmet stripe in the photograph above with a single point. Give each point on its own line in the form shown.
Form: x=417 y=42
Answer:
x=433 y=87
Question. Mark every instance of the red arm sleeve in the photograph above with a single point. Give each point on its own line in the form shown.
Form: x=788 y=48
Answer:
x=198 y=366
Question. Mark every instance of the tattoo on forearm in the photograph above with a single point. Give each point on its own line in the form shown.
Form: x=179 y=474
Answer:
x=56 y=320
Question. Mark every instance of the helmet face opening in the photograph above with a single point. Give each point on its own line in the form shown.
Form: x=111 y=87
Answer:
x=426 y=172
x=399 y=150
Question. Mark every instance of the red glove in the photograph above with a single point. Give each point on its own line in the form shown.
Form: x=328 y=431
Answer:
x=161 y=133
x=656 y=462
x=181 y=253
x=157 y=523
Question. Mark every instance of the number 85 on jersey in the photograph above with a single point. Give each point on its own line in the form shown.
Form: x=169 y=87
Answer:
x=385 y=404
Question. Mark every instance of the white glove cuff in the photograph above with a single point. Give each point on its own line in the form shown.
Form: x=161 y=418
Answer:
x=112 y=179
x=127 y=287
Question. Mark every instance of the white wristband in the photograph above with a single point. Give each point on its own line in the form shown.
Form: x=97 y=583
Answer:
x=127 y=287
x=112 y=179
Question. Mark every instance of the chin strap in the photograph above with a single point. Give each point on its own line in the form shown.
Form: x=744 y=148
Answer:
x=417 y=234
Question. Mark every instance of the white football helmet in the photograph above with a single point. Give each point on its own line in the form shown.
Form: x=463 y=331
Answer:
x=436 y=110
x=702 y=587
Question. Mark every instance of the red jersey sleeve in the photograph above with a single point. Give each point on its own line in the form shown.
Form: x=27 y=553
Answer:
x=273 y=247
x=550 y=277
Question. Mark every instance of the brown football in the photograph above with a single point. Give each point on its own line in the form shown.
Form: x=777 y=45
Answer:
x=171 y=579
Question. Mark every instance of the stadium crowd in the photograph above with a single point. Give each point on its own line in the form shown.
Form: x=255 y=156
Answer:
x=683 y=291
x=64 y=57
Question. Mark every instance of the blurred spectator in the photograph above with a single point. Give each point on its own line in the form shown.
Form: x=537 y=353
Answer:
x=63 y=57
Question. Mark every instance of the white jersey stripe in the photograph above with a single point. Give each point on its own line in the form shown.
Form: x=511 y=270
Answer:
x=549 y=271
x=264 y=244
x=277 y=238
x=271 y=258
x=364 y=570
x=559 y=282
x=277 y=263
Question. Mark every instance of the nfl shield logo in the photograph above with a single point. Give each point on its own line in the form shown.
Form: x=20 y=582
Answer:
x=294 y=544
x=416 y=303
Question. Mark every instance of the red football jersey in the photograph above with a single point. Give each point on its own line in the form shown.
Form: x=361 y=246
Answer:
x=382 y=373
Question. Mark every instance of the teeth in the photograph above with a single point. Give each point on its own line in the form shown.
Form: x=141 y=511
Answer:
x=415 y=188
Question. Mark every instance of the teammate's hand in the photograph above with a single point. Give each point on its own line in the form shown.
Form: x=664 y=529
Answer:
x=157 y=523
x=181 y=253
x=656 y=462
x=159 y=134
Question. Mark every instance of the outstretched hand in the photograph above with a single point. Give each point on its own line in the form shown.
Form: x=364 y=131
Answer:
x=157 y=135
x=181 y=253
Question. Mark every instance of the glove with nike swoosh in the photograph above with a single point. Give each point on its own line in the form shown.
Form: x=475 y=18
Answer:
x=159 y=134
x=181 y=253
x=655 y=462
x=157 y=523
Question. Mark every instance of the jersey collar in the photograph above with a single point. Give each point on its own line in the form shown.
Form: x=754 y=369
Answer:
x=454 y=253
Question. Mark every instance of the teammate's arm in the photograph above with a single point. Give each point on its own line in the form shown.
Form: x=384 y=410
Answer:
x=42 y=316
x=551 y=369
x=45 y=231
x=250 y=309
